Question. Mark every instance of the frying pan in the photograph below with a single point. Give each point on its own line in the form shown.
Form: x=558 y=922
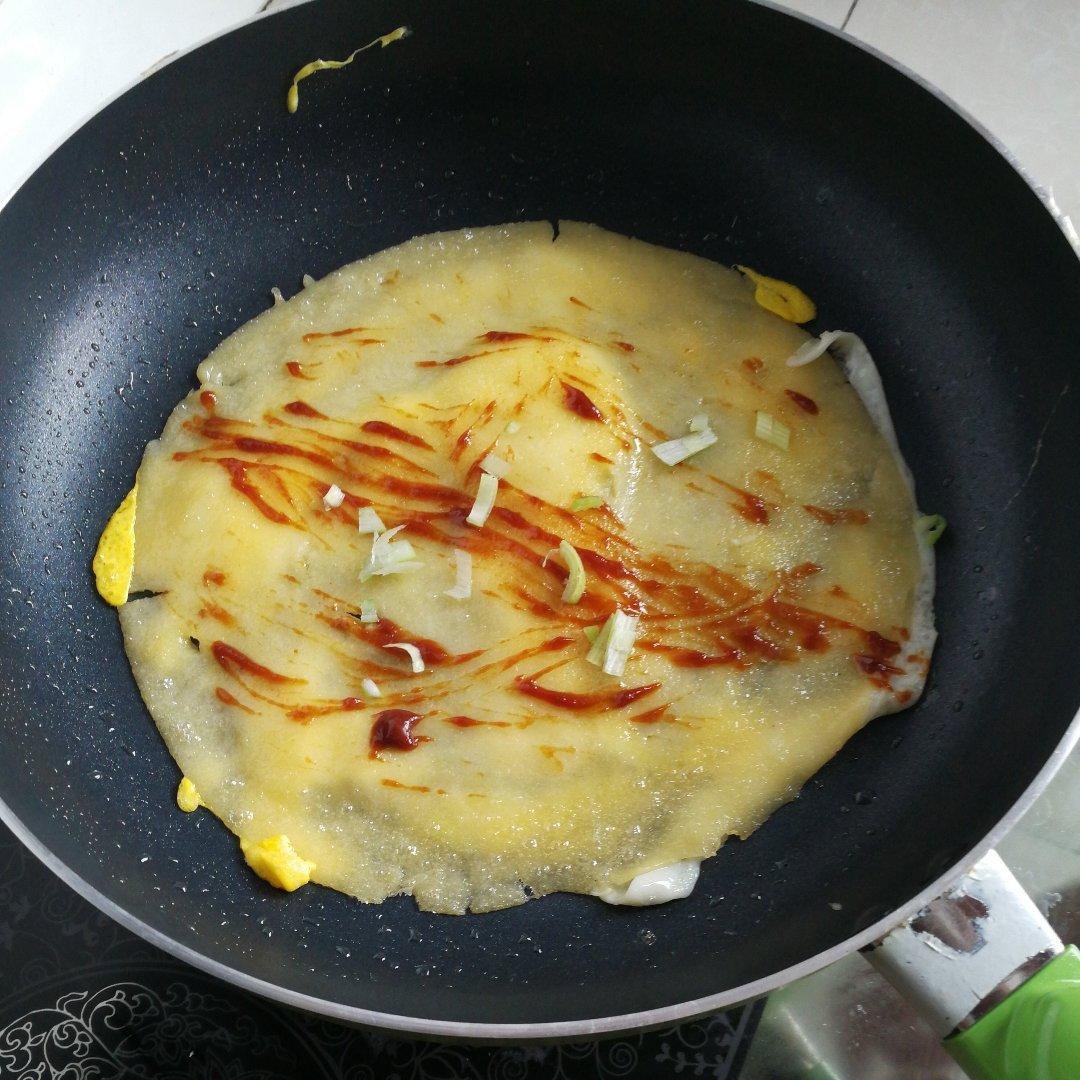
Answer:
x=728 y=129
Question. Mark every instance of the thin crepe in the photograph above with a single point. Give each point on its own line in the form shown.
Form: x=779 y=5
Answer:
x=784 y=596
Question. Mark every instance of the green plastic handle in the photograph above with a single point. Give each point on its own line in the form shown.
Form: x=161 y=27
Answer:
x=1034 y=1034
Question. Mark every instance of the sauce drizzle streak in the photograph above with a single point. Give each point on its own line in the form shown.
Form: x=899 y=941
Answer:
x=808 y=405
x=577 y=401
x=232 y=659
x=302 y=408
x=831 y=517
x=391 y=431
x=603 y=699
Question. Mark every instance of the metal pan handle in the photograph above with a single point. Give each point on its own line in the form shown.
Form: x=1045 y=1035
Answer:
x=988 y=973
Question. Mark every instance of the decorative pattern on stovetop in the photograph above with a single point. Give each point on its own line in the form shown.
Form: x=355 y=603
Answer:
x=83 y=999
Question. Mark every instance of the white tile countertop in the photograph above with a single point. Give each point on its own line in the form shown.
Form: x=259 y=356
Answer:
x=1013 y=65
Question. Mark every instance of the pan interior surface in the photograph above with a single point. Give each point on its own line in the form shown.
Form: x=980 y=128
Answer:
x=734 y=132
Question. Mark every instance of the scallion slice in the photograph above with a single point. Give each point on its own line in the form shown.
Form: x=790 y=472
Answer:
x=333 y=498
x=485 y=499
x=413 y=653
x=620 y=641
x=770 y=430
x=462 y=587
x=398 y=566
x=675 y=450
x=815 y=347
x=599 y=643
x=495 y=465
x=368 y=521
x=389 y=556
x=401 y=550
x=368 y=614
x=575 y=577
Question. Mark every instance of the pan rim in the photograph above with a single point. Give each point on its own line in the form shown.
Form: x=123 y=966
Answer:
x=478 y=1032
x=471 y=1031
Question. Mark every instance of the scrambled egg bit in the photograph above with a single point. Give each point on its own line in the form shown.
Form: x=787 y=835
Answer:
x=292 y=98
x=115 y=555
x=779 y=297
x=187 y=797
x=275 y=860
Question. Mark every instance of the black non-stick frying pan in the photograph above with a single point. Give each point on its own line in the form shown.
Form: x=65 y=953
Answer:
x=724 y=128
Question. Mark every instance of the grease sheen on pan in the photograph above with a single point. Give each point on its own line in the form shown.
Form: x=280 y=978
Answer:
x=783 y=595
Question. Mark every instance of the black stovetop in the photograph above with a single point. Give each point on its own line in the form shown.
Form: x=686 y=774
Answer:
x=82 y=998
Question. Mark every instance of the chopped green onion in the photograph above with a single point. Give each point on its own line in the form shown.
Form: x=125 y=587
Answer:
x=462 y=588
x=485 y=499
x=931 y=526
x=815 y=347
x=389 y=557
x=620 y=642
x=385 y=537
x=586 y=502
x=599 y=643
x=495 y=465
x=575 y=578
x=699 y=422
x=368 y=614
x=333 y=498
x=292 y=98
x=369 y=687
x=675 y=450
x=513 y=427
x=368 y=521
x=401 y=550
x=413 y=653
x=611 y=644
x=592 y=633
x=399 y=566
x=770 y=430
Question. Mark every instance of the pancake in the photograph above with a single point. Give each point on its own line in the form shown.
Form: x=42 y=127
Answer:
x=774 y=586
